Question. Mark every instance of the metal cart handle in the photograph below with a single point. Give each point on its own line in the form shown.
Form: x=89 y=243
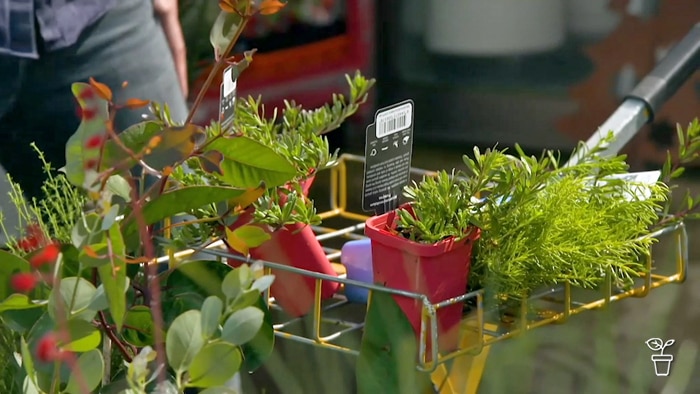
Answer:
x=649 y=95
x=670 y=74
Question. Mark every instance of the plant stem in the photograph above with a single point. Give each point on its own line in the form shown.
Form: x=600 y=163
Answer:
x=151 y=279
x=218 y=66
x=113 y=337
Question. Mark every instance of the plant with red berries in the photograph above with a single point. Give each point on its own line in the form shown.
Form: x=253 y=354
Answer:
x=85 y=284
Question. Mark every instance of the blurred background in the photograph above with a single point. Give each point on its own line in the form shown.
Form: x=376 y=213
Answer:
x=543 y=73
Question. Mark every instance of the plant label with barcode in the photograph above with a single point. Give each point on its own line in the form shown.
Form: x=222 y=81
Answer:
x=227 y=98
x=388 y=148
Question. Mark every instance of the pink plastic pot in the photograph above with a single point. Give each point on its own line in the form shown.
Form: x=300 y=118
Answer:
x=295 y=246
x=438 y=271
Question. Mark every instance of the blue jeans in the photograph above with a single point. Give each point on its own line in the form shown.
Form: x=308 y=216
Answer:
x=36 y=103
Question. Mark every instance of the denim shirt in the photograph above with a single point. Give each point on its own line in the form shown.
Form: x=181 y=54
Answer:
x=55 y=23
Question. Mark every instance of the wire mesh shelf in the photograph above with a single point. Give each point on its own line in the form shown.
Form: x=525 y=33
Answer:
x=480 y=326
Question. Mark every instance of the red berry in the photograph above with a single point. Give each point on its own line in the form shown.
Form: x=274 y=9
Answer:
x=48 y=255
x=47 y=349
x=90 y=164
x=23 y=282
x=94 y=142
x=88 y=113
x=87 y=94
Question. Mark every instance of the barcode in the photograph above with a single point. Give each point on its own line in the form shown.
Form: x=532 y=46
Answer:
x=394 y=120
x=229 y=82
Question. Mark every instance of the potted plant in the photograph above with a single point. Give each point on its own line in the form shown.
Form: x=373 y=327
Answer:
x=544 y=224
x=425 y=247
x=83 y=285
x=285 y=212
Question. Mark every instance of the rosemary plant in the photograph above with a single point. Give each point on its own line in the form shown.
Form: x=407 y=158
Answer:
x=541 y=223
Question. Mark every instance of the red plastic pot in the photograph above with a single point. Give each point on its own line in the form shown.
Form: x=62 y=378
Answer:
x=295 y=246
x=438 y=270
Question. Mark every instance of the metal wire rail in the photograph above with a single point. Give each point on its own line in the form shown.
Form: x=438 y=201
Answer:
x=552 y=305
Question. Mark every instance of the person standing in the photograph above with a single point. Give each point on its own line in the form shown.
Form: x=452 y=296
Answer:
x=47 y=45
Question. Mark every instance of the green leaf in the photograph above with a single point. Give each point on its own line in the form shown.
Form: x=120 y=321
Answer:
x=10 y=265
x=223 y=31
x=245 y=237
x=86 y=231
x=91 y=367
x=99 y=301
x=386 y=363
x=263 y=283
x=242 y=325
x=245 y=299
x=176 y=143
x=136 y=138
x=73 y=291
x=110 y=217
x=215 y=365
x=119 y=186
x=78 y=153
x=89 y=261
x=247 y=162
x=184 y=340
x=16 y=302
x=27 y=361
x=211 y=315
x=139 y=320
x=113 y=277
x=237 y=281
x=182 y=200
x=83 y=337
x=258 y=349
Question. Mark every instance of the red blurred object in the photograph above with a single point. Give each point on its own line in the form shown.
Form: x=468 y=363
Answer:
x=309 y=73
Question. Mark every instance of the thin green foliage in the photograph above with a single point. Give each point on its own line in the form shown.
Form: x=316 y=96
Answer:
x=55 y=213
x=542 y=223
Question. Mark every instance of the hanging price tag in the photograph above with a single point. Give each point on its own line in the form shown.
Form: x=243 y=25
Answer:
x=227 y=98
x=388 y=148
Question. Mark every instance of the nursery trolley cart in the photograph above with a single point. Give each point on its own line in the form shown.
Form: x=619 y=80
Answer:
x=480 y=329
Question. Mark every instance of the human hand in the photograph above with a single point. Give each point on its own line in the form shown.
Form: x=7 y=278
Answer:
x=168 y=12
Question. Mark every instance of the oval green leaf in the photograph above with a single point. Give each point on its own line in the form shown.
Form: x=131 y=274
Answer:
x=237 y=281
x=212 y=308
x=184 y=340
x=79 y=295
x=263 y=283
x=83 y=337
x=242 y=325
x=215 y=365
x=91 y=366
